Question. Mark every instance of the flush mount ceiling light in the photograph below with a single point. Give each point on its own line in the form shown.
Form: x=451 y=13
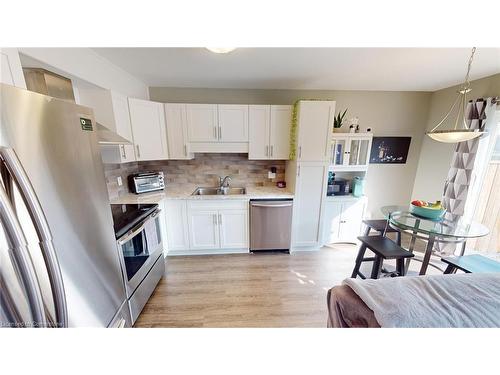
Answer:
x=220 y=49
x=457 y=134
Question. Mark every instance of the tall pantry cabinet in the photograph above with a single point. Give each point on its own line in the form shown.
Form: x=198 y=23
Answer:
x=307 y=175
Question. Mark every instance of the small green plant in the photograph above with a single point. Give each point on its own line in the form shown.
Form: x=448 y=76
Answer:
x=337 y=123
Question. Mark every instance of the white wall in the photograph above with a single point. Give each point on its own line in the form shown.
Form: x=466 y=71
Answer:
x=435 y=157
x=86 y=65
x=396 y=113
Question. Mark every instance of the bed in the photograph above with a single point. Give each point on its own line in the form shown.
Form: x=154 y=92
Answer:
x=459 y=300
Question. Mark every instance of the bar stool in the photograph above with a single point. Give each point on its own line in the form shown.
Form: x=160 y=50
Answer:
x=384 y=248
x=381 y=226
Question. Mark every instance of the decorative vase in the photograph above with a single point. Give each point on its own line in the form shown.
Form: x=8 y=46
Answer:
x=338 y=130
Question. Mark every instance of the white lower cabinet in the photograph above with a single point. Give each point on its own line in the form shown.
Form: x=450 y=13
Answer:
x=310 y=186
x=343 y=219
x=233 y=228
x=176 y=225
x=206 y=226
x=203 y=229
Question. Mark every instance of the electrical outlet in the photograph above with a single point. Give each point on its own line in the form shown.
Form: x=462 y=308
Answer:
x=119 y=180
x=271 y=175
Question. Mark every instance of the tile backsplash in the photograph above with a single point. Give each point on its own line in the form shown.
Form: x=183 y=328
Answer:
x=203 y=170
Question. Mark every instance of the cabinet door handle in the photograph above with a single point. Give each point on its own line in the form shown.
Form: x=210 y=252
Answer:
x=300 y=152
x=298 y=171
x=271 y=150
x=220 y=131
x=185 y=150
x=124 y=155
x=267 y=150
x=215 y=132
x=220 y=219
x=215 y=219
x=138 y=151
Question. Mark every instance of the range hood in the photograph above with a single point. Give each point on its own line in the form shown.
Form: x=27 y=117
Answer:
x=108 y=137
x=49 y=83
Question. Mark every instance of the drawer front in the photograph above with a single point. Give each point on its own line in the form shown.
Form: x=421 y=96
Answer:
x=218 y=204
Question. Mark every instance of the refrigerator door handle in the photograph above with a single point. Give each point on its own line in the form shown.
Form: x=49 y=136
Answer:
x=20 y=254
x=43 y=231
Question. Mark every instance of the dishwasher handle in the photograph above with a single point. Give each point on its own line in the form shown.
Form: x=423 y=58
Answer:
x=271 y=205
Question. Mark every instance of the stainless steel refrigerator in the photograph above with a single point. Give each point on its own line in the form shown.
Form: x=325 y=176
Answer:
x=59 y=262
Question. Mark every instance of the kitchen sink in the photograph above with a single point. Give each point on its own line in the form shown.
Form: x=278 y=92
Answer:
x=219 y=191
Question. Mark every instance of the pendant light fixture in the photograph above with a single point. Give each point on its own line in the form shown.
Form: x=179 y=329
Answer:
x=464 y=133
x=220 y=49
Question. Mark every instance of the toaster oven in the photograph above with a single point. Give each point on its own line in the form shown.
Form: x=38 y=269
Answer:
x=145 y=182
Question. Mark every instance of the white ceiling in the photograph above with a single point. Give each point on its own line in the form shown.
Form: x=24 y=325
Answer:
x=393 y=69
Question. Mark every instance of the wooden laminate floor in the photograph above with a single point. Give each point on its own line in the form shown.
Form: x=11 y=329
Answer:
x=248 y=290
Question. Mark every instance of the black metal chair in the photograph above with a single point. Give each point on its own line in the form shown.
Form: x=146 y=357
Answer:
x=382 y=227
x=383 y=248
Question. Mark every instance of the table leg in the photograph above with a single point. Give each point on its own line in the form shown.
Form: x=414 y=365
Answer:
x=412 y=245
x=462 y=250
x=428 y=253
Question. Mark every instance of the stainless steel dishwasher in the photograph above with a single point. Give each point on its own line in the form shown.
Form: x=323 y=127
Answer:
x=270 y=224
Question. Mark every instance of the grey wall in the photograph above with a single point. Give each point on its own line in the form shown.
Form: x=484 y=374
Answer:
x=435 y=157
x=386 y=112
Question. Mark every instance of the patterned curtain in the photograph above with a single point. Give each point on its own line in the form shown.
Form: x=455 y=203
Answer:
x=460 y=173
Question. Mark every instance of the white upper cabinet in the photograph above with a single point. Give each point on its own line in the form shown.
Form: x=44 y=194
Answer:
x=315 y=125
x=281 y=119
x=217 y=123
x=110 y=110
x=121 y=115
x=11 y=71
x=350 y=152
x=202 y=122
x=177 y=132
x=259 y=128
x=233 y=122
x=148 y=129
x=123 y=126
x=269 y=131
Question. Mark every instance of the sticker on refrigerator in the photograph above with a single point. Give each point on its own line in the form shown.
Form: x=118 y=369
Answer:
x=86 y=124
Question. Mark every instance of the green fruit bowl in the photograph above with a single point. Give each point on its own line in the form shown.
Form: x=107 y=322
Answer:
x=426 y=212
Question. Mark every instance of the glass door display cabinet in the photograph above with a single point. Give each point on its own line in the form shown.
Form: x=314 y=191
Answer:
x=350 y=152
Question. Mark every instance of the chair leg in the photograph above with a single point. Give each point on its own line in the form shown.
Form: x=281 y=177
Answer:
x=367 y=231
x=377 y=267
x=398 y=238
x=449 y=269
x=359 y=260
x=400 y=266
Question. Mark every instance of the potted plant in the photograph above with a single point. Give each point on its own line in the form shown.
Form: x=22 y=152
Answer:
x=337 y=122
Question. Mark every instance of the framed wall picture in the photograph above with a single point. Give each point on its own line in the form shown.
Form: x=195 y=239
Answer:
x=389 y=150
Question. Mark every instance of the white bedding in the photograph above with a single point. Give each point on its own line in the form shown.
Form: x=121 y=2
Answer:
x=460 y=300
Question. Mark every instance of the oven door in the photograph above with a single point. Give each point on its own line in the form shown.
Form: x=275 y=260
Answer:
x=139 y=249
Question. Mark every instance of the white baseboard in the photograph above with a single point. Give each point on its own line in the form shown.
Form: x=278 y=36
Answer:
x=206 y=252
x=304 y=248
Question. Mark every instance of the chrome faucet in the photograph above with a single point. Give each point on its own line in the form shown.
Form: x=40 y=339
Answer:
x=224 y=184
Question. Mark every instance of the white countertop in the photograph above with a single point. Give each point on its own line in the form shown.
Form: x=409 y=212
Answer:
x=185 y=192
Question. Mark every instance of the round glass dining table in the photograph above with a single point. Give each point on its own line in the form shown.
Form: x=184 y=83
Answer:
x=432 y=231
